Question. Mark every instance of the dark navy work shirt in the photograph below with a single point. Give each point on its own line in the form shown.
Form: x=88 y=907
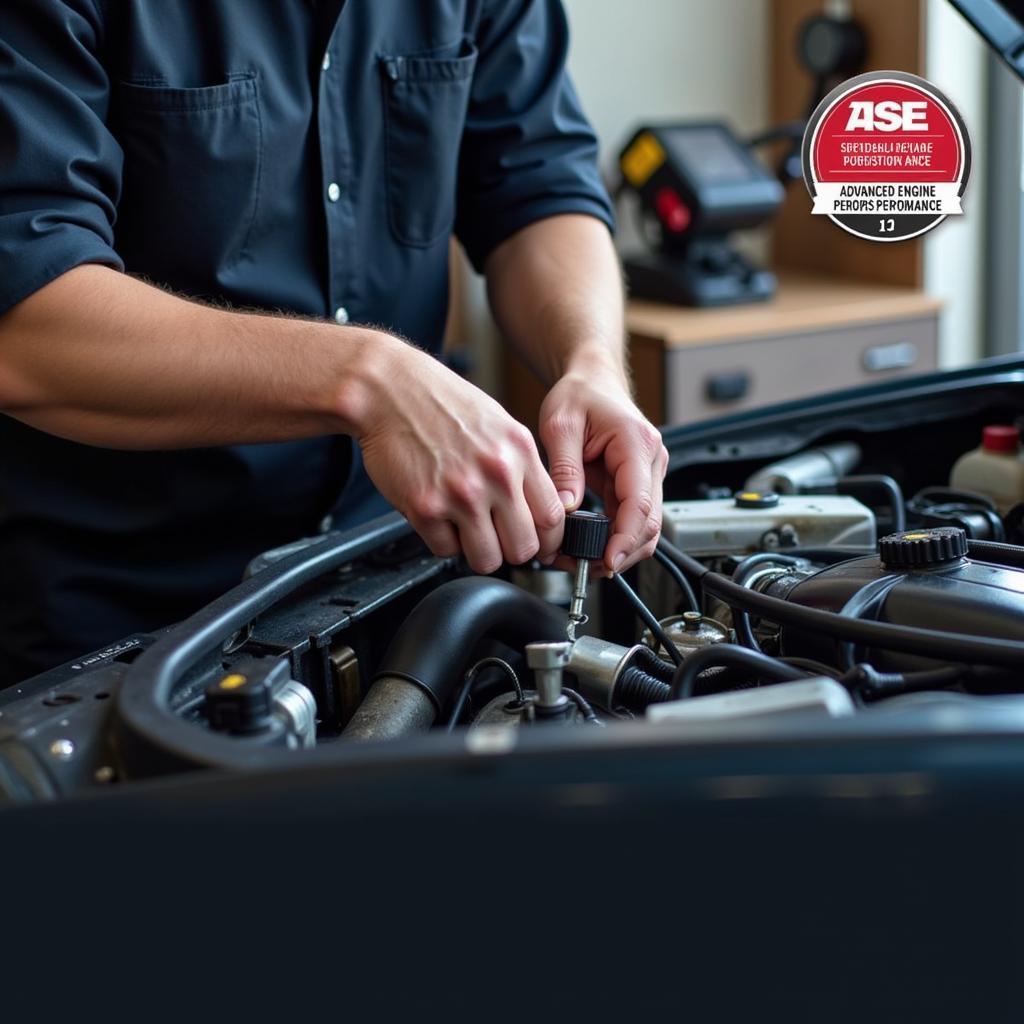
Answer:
x=293 y=155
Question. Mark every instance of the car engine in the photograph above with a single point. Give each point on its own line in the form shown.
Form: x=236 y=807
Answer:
x=817 y=575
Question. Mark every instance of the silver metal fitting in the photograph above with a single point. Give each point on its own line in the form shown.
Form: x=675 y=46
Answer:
x=62 y=749
x=548 y=661
x=296 y=706
x=577 y=617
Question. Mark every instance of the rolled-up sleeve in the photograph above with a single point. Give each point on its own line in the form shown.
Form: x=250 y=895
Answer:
x=528 y=151
x=60 y=167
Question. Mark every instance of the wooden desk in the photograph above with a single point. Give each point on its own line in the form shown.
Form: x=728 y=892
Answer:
x=818 y=334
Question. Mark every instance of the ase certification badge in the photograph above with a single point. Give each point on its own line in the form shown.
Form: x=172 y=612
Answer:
x=886 y=156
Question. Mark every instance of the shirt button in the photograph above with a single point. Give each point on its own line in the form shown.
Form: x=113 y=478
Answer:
x=334 y=191
x=325 y=66
x=341 y=315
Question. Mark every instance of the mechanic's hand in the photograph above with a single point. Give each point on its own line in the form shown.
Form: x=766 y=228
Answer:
x=465 y=474
x=595 y=435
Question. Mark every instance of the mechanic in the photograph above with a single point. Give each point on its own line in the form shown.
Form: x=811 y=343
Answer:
x=204 y=204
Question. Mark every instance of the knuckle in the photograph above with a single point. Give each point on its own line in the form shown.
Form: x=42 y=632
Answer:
x=521 y=553
x=653 y=528
x=649 y=436
x=485 y=564
x=443 y=548
x=521 y=439
x=466 y=491
x=427 y=506
x=559 y=426
x=550 y=517
x=645 y=504
x=562 y=468
x=501 y=469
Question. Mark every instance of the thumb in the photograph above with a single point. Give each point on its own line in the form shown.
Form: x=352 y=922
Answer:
x=562 y=435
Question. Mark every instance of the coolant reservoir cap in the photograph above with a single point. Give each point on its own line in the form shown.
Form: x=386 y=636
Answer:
x=1003 y=440
x=756 y=499
x=922 y=549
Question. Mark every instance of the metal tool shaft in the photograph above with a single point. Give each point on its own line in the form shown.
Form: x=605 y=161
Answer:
x=577 y=617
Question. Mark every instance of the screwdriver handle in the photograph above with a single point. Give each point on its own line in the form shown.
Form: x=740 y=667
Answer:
x=586 y=535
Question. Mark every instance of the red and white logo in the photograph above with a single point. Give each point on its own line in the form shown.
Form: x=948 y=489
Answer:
x=886 y=156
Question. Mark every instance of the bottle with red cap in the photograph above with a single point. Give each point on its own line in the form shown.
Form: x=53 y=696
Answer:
x=995 y=469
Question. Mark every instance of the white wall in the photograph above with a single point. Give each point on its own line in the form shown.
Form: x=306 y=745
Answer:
x=954 y=253
x=659 y=59
x=636 y=60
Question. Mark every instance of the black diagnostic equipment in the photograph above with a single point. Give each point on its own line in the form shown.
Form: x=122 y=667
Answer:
x=697 y=183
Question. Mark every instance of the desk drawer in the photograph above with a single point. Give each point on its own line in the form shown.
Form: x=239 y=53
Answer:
x=703 y=381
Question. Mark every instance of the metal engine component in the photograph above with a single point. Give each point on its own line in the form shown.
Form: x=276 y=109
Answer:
x=708 y=529
x=719 y=527
x=920 y=578
x=689 y=632
x=597 y=665
x=296 y=707
x=819 y=695
x=393 y=707
x=816 y=467
x=547 y=661
x=507 y=710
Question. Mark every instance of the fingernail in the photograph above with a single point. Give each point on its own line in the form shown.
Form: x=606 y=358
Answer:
x=547 y=559
x=567 y=498
x=618 y=560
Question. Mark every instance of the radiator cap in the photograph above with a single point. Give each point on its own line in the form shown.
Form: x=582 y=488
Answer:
x=923 y=549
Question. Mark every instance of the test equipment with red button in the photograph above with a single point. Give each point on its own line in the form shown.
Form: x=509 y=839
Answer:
x=697 y=183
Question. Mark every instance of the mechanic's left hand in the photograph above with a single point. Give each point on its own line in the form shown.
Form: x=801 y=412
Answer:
x=595 y=436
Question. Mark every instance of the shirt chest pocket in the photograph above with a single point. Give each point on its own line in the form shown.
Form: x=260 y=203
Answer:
x=191 y=182
x=425 y=102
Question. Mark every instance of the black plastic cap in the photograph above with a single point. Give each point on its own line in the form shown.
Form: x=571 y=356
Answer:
x=756 y=499
x=586 y=535
x=243 y=700
x=923 y=549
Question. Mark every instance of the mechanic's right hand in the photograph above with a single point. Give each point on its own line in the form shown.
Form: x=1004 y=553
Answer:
x=465 y=474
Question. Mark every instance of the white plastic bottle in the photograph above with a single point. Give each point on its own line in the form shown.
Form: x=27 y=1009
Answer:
x=995 y=470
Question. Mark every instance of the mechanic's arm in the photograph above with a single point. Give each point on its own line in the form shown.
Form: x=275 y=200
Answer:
x=101 y=358
x=556 y=290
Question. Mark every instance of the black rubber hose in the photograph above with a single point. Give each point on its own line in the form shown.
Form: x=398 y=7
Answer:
x=581 y=702
x=928 y=643
x=636 y=689
x=472 y=676
x=648 y=619
x=677 y=574
x=855 y=485
x=746 y=568
x=729 y=656
x=741 y=620
x=1009 y=555
x=866 y=682
x=647 y=660
x=829 y=555
x=645 y=680
x=864 y=600
x=439 y=635
x=150 y=736
x=687 y=564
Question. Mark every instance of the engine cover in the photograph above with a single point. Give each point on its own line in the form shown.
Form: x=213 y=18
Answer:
x=954 y=594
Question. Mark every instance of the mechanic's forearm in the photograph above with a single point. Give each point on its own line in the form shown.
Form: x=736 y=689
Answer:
x=101 y=358
x=556 y=291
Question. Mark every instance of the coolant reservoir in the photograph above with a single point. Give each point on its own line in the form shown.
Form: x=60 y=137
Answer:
x=995 y=469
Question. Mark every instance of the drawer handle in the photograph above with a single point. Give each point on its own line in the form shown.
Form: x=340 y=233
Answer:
x=727 y=387
x=900 y=356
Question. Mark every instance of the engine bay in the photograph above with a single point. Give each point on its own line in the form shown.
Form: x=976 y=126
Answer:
x=818 y=579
